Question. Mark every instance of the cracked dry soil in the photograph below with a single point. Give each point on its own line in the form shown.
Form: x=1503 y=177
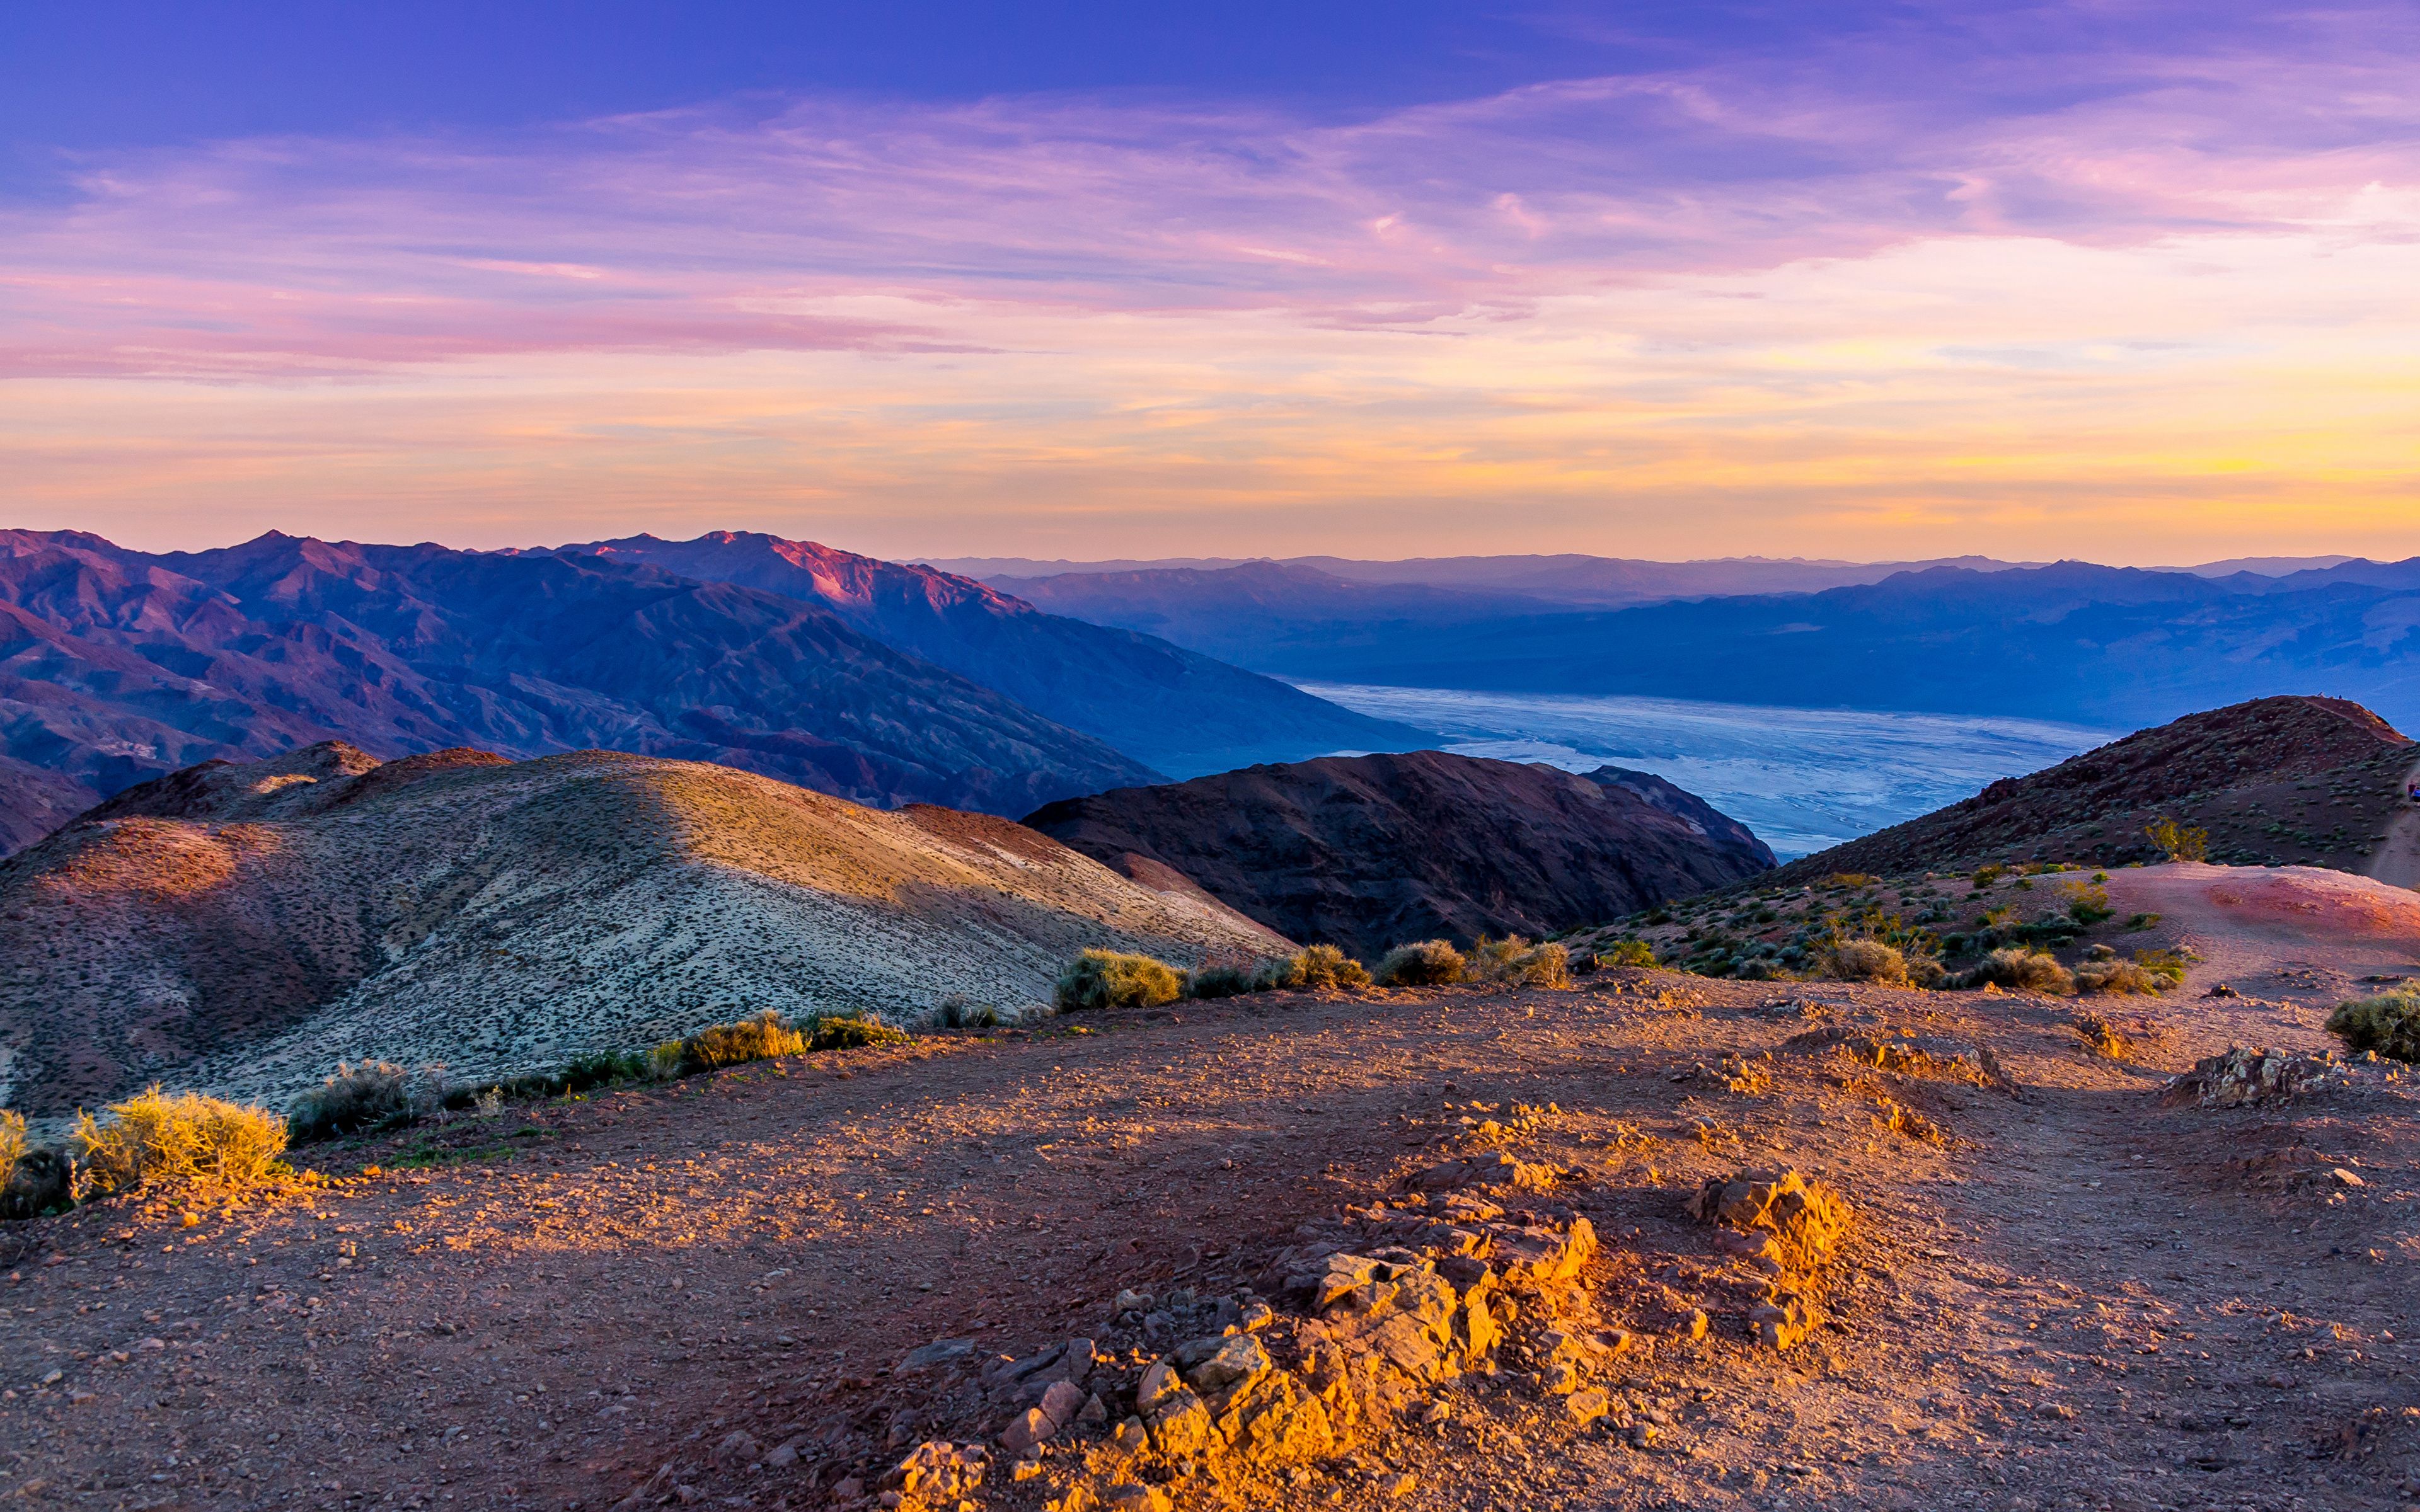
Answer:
x=2062 y=1292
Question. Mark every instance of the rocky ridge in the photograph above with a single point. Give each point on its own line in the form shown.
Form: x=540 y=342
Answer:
x=1371 y=851
x=243 y=927
x=2293 y=781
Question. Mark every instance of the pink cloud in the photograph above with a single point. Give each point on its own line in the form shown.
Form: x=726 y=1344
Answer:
x=702 y=231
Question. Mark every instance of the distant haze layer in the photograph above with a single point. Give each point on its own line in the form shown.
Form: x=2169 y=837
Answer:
x=1804 y=779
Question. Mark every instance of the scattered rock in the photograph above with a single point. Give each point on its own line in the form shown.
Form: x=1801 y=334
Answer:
x=1803 y=1218
x=937 y=1472
x=938 y=1352
x=2245 y=1076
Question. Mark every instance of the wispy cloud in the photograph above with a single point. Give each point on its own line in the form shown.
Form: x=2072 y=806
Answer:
x=1884 y=288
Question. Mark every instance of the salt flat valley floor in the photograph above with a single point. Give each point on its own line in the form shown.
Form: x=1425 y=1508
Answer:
x=2076 y=1293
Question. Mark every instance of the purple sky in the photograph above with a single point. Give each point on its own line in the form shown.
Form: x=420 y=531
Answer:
x=2130 y=283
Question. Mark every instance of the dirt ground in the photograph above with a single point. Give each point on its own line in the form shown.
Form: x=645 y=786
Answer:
x=2397 y=860
x=2076 y=1295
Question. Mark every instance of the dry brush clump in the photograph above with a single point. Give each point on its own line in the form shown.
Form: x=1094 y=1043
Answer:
x=12 y=1143
x=1515 y=961
x=162 y=1139
x=1422 y=963
x=367 y=1096
x=1625 y=954
x=2018 y=969
x=2146 y=973
x=1111 y=978
x=2388 y=1024
x=1317 y=968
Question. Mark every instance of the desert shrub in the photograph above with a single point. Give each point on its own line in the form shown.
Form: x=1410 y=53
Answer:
x=2021 y=970
x=958 y=1011
x=2139 y=922
x=366 y=1096
x=853 y=1031
x=761 y=1036
x=2088 y=902
x=1421 y=963
x=1986 y=875
x=1324 y=966
x=2149 y=971
x=1865 y=961
x=1515 y=961
x=1851 y=879
x=1626 y=953
x=161 y=1139
x=1110 y=979
x=12 y=1143
x=600 y=1069
x=1229 y=981
x=2178 y=842
x=2388 y=1024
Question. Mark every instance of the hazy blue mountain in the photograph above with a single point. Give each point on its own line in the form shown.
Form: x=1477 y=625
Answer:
x=2070 y=641
x=1174 y=708
x=1258 y=613
x=1569 y=580
x=117 y=666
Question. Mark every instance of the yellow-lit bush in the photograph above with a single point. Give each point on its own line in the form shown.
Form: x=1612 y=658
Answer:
x=160 y=1139
x=1865 y=961
x=12 y=1143
x=758 y=1037
x=1111 y=978
x=854 y=1031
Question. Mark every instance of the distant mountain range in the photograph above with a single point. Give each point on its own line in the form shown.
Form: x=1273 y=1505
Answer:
x=1174 y=709
x=117 y=666
x=1568 y=580
x=2069 y=641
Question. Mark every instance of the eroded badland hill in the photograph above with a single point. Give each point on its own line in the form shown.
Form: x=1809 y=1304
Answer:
x=1444 y=1249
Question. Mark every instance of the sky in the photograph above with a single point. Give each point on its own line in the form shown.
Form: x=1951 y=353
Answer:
x=2135 y=282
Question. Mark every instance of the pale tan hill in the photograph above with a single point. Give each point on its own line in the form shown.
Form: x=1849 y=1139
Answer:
x=241 y=928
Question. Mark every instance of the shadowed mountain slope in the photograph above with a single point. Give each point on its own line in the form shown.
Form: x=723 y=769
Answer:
x=117 y=664
x=1371 y=851
x=1176 y=709
x=243 y=927
x=2304 y=781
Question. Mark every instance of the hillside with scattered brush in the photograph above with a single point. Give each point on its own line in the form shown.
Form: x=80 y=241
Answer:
x=2301 y=782
x=244 y=926
x=1371 y=851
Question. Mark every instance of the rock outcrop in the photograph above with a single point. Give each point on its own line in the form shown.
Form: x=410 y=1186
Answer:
x=1470 y=1271
x=1371 y=851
